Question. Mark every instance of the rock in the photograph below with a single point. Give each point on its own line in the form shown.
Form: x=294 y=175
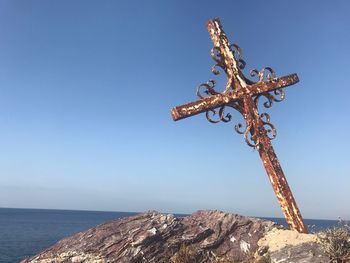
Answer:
x=286 y=246
x=202 y=237
x=310 y=252
x=155 y=237
x=277 y=239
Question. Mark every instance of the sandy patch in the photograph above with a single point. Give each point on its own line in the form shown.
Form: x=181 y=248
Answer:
x=277 y=239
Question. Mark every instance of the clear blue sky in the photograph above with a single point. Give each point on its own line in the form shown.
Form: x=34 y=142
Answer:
x=86 y=89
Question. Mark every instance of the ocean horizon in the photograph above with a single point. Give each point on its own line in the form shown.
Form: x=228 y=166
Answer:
x=25 y=232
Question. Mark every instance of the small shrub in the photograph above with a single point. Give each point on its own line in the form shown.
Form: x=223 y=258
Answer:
x=336 y=243
x=222 y=260
x=186 y=254
x=264 y=259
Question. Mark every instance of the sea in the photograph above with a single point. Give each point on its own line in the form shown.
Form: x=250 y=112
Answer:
x=25 y=232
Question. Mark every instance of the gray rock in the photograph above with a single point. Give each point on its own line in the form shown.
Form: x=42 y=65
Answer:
x=155 y=237
x=303 y=253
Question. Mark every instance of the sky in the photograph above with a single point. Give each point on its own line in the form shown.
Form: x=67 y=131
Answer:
x=86 y=89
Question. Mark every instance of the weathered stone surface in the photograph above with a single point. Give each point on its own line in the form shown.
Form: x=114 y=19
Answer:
x=277 y=239
x=302 y=253
x=286 y=246
x=155 y=237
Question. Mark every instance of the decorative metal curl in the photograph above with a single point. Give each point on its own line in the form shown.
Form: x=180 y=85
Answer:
x=215 y=70
x=238 y=128
x=222 y=116
x=270 y=98
x=280 y=93
x=209 y=118
x=237 y=52
x=219 y=62
x=271 y=130
x=238 y=107
x=246 y=134
x=214 y=54
x=208 y=89
x=225 y=117
x=271 y=75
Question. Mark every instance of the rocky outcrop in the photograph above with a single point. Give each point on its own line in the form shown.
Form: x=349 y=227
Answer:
x=155 y=237
x=288 y=246
x=205 y=236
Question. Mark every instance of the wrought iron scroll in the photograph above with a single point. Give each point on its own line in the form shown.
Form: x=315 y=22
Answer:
x=267 y=74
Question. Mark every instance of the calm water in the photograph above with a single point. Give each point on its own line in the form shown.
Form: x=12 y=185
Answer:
x=25 y=232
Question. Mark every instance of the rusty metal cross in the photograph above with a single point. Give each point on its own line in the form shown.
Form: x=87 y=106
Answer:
x=243 y=95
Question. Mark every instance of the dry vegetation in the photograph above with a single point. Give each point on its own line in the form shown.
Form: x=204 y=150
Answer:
x=265 y=259
x=336 y=243
x=188 y=254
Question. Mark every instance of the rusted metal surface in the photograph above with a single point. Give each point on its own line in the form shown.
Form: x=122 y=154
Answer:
x=243 y=95
x=220 y=99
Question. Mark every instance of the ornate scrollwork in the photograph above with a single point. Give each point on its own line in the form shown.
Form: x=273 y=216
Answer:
x=238 y=107
x=270 y=130
x=250 y=129
x=219 y=62
x=247 y=135
x=237 y=52
x=214 y=54
x=225 y=117
x=222 y=116
x=238 y=128
x=207 y=88
x=280 y=93
x=277 y=95
x=270 y=76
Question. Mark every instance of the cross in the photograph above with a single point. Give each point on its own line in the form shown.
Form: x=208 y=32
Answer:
x=243 y=95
